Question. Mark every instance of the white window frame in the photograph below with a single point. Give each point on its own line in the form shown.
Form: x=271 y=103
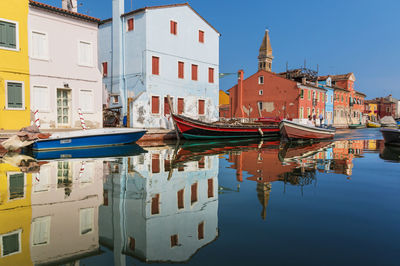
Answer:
x=47 y=56
x=48 y=225
x=6 y=92
x=159 y=105
x=91 y=110
x=260 y=92
x=92 y=220
x=8 y=185
x=48 y=97
x=80 y=63
x=16 y=35
x=260 y=79
x=19 y=231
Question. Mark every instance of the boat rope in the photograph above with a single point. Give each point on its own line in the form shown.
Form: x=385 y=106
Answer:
x=82 y=119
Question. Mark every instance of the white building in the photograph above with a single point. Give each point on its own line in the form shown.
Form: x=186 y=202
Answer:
x=64 y=74
x=156 y=215
x=151 y=52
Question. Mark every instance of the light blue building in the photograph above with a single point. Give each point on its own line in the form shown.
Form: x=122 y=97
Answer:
x=152 y=52
x=329 y=114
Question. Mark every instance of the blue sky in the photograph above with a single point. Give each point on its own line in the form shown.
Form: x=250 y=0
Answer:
x=340 y=36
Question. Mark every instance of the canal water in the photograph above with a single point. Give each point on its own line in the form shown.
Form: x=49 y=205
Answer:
x=214 y=203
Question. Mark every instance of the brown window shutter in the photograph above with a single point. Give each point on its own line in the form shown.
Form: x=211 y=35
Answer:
x=155 y=65
x=194 y=72
x=193 y=191
x=105 y=69
x=210 y=188
x=181 y=67
x=201 y=107
x=174 y=240
x=155 y=163
x=130 y=24
x=202 y=162
x=211 y=75
x=167 y=111
x=200 y=231
x=201 y=36
x=155 y=204
x=155 y=104
x=181 y=105
x=181 y=199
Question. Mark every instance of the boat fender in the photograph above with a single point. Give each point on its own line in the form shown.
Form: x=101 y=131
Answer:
x=261 y=132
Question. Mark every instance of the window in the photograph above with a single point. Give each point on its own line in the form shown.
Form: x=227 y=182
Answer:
x=87 y=172
x=174 y=27
x=86 y=220
x=41 y=98
x=86 y=100
x=130 y=24
x=41 y=231
x=167 y=111
x=174 y=241
x=200 y=231
x=302 y=94
x=308 y=111
x=301 y=112
x=15 y=97
x=155 y=163
x=309 y=94
x=201 y=107
x=181 y=70
x=41 y=179
x=260 y=105
x=16 y=185
x=211 y=75
x=105 y=68
x=181 y=105
x=261 y=80
x=201 y=163
x=132 y=243
x=193 y=190
x=10 y=243
x=155 y=204
x=8 y=35
x=155 y=104
x=85 y=54
x=155 y=66
x=260 y=92
x=180 y=195
x=40 y=45
x=210 y=188
x=194 y=72
x=201 y=36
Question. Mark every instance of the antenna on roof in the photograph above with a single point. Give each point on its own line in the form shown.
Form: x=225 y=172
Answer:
x=304 y=63
x=287 y=66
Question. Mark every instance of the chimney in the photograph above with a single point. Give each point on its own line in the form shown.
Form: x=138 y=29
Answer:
x=303 y=80
x=70 y=5
x=239 y=96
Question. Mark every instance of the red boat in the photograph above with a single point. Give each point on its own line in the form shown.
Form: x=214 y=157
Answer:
x=194 y=129
x=292 y=130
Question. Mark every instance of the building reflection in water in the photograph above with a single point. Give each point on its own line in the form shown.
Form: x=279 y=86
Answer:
x=156 y=211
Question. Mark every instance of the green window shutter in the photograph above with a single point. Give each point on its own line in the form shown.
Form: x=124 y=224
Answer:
x=10 y=244
x=17 y=185
x=8 y=35
x=14 y=95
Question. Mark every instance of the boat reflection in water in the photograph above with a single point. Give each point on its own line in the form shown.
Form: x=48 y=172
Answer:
x=159 y=211
x=391 y=153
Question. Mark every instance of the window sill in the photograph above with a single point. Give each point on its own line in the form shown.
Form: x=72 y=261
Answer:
x=88 y=66
x=10 y=49
x=15 y=109
x=40 y=59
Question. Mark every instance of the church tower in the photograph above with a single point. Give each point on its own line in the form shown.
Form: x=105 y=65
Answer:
x=265 y=55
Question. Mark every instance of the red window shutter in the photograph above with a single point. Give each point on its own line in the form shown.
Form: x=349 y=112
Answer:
x=193 y=197
x=174 y=240
x=155 y=104
x=181 y=67
x=210 y=188
x=155 y=65
x=173 y=27
x=200 y=231
x=202 y=162
x=180 y=199
x=201 y=107
x=194 y=72
x=130 y=24
x=211 y=75
x=181 y=106
x=155 y=163
x=201 y=36
x=105 y=69
x=167 y=111
x=155 y=204
x=167 y=165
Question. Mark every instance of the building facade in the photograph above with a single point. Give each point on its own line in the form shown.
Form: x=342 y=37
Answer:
x=329 y=93
x=14 y=65
x=64 y=74
x=153 y=52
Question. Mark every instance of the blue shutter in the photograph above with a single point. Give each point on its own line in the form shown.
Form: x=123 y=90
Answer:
x=14 y=95
x=8 y=35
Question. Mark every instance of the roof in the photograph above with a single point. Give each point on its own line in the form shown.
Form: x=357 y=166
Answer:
x=63 y=11
x=336 y=77
x=362 y=94
x=143 y=9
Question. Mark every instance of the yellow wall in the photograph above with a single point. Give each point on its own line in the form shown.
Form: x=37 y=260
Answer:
x=15 y=215
x=372 y=108
x=14 y=65
x=223 y=98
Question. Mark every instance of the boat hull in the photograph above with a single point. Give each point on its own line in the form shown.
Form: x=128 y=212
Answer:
x=77 y=142
x=191 y=129
x=356 y=126
x=291 y=131
x=391 y=136
x=373 y=125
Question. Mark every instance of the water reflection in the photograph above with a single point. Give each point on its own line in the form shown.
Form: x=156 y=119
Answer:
x=157 y=206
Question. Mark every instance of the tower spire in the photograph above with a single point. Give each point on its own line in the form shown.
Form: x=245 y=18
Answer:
x=265 y=54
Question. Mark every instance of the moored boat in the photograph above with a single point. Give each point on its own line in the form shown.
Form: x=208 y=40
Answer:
x=356 y=126
x=194 y=129
x=292 y=130
x=391 y=136
x=373 y=124
x=89 y=138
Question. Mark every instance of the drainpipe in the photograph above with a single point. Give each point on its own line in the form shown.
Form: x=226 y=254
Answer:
x=239 y=96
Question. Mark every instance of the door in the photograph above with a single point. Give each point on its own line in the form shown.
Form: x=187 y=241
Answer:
x=63 y=107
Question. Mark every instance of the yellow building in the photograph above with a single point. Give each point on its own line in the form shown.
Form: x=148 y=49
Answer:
x=14 y=65
x=223 y=98
x=373 y=110
x=15 y=216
